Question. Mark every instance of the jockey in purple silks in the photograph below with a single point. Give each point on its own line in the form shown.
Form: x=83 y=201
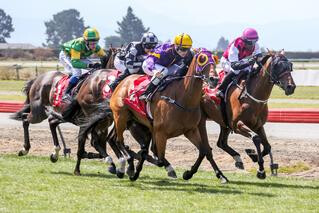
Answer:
x=237 y=57
x=163 y=57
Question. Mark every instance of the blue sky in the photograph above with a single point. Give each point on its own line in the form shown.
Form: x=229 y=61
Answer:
x=292 y=25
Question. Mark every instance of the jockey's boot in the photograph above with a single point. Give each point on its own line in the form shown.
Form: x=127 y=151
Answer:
x=114 y=84
x=223 y=86
x=67 y=94
x=147 y=94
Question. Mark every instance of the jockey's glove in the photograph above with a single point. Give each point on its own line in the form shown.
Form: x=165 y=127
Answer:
x=94 y=66
x=251 y=61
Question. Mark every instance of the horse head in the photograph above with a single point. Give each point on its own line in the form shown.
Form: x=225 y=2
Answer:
x=203 y=60
x=279 y=70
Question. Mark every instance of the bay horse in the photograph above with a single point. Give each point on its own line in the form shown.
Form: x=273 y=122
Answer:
x=180 y=115
x=246 y=108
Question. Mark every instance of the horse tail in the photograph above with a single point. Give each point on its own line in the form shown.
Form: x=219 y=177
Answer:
x=26 y=106
x=104 y=112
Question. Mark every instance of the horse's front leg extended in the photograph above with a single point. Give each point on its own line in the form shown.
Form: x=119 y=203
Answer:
x=245 y=131
x=267 y=150
x=198 y=137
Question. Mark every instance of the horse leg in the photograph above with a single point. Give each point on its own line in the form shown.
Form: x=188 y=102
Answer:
x=267 y=150
x=98 y=141
x=53 y=123
x=204 y=149
x=223 y=144
x=120 y=121
x=81 y=152
x=26 y=146
x=245 y=131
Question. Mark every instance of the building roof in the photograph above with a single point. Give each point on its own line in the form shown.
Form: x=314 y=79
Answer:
x=23 y=46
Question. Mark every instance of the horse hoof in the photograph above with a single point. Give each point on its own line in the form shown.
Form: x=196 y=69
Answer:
x=112 y=170
x=261 y=175
x=77 y=173
x=119 y=174
x=134 y=177
x=172 y=174
x=53 y=158
x=223 y=180
x=239 y=165
x=21 y=153
x=187 y=175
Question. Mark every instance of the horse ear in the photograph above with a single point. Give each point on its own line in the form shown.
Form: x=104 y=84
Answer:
x=282 y=52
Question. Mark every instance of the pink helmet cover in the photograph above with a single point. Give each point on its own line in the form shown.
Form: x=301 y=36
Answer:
x=250 y=34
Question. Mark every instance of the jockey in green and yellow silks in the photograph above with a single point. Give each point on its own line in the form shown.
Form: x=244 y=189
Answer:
x=74 y=55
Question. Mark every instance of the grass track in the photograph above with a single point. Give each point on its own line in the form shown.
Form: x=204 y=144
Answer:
x=34 y=184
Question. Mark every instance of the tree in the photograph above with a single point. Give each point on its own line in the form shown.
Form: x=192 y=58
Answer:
x=64 y=26
x=131 y=28
x=114 y=41
x=222 y=44
x=6 y=26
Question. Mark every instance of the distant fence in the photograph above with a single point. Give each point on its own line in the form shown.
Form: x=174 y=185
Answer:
x=274 y=115
x=306 y=70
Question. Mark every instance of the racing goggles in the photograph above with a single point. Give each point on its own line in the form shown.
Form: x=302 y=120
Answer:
x=149 y=46
x=251 y=42
x=182 y=49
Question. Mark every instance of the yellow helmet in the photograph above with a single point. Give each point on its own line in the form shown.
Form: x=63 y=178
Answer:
x=184 y=40
x=91 y=34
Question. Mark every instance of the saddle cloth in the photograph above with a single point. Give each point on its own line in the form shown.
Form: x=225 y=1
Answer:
x=133 y=101
x=59 y=89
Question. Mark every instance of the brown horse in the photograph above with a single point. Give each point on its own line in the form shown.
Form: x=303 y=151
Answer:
x=180 y=115
x=246 y=108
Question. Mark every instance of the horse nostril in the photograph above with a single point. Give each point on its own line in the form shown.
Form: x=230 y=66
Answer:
x=290 y=89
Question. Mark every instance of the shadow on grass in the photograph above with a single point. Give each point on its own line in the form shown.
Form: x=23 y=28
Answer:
x=98 y=175
x=147 y=183
x=276 y=185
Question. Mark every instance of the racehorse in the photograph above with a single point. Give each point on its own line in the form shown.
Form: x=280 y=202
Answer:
x=40 y=99
x=175 y=110
x=246 y=108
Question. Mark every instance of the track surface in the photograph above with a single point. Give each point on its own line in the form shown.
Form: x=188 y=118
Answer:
x=291 y=144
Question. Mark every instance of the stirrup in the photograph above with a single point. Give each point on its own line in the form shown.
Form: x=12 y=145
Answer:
x=145 y=97
x=220 y=94
x=67 y=97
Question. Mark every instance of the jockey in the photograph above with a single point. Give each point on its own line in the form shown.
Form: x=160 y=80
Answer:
x=235 y=58
x=135 y=54
x=165 y=56
x=74 y=56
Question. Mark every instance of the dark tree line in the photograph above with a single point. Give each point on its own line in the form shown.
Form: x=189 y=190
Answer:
x=6 y=26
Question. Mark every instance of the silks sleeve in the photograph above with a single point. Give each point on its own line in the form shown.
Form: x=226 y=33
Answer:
x=75 y=60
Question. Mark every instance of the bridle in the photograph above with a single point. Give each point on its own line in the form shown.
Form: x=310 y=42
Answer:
x=274 y=79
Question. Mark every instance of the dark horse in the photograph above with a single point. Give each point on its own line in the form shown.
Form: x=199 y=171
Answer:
x=89 y=98
x=169 y=119
x=38 y=104
x=246 y=108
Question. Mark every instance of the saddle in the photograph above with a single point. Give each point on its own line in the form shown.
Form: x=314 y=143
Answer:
x=63 y=83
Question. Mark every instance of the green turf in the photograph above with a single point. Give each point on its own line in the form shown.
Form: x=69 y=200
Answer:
x=31 y=184
x=11 y=85
x=293 y=105
x=301 y=92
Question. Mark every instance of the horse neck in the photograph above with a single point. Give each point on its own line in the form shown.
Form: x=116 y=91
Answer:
x=192 y=88
x=261 y=86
